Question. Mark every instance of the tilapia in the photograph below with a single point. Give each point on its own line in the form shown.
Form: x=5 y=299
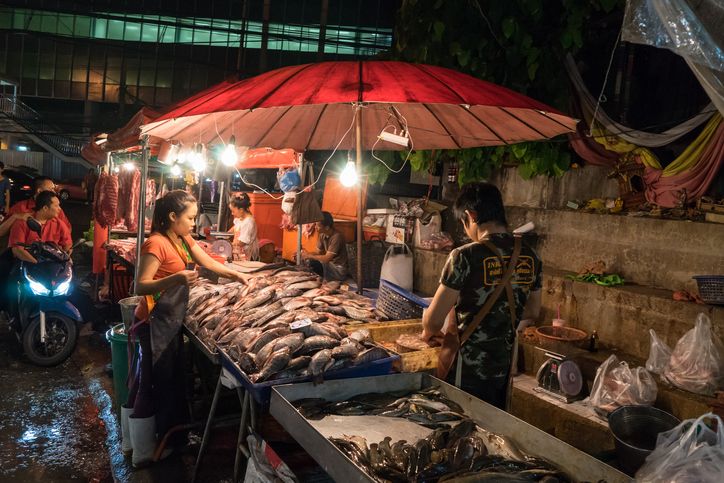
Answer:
x=411 y=342
x=297 y=303
x=315 y=329
x=262 y=298
x=247 y=363
x=328 y=299
x=370 y=355
x=245 y=338
x=267 y=337
x=321 y=361
x=358 y=313
x=314 y=293
x=298 y=363
x=277 y=361
x=293 y=341
x=498 y=444
x=317 y=342
x=345 y=351
x=304 y=285
x=361 y=335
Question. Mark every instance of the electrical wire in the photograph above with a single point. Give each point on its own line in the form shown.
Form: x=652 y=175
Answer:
x=405 y=129
x=601 y=97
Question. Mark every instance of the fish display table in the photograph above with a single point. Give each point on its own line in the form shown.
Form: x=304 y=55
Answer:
x=313 y=435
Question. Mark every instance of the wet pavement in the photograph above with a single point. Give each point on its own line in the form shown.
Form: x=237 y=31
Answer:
x=59 y=424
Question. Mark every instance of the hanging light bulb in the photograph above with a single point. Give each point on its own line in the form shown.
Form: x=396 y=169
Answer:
x=198 y=160
x=348 y=177
x=176 y=170
x=129 y=166
x=229 y=157
x=116 y=169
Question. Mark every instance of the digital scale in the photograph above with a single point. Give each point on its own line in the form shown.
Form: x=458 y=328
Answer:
x=560 y=378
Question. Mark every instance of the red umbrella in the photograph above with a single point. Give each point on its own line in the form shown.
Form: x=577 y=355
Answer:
x=313 y=107
x=309 y=107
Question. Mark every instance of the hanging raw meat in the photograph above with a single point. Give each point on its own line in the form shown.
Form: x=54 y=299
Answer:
x=106 y=200
x=131 y=215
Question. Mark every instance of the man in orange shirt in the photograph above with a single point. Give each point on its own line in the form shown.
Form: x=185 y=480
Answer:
x=47 y=209
x=21 y=209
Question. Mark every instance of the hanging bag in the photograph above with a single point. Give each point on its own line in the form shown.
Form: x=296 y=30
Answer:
x=397 y=266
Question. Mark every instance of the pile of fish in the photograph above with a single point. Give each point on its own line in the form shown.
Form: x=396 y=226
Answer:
x=457 y=450
x=284 y=323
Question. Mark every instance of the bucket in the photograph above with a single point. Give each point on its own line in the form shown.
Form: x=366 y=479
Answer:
x=635 y=429
x=119 y=359
x=128 y=309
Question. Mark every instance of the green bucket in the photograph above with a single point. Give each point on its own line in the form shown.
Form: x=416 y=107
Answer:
x=119 y=359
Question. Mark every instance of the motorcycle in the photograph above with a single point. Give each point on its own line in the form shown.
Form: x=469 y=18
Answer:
x=46 y=323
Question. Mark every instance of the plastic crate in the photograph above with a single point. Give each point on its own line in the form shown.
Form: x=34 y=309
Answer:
x=398 y=303
x=711 y=288
x=261 y=392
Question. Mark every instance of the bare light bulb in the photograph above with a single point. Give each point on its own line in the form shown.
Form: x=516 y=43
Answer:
x=348 y=177
x=198 y=161
x=129 y=166
x=229 y=156
x=176 y=170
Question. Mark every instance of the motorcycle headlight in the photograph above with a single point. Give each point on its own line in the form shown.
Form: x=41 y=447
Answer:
x=62 y=289
x=37 y=288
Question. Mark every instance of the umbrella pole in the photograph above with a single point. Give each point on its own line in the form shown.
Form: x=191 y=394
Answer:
x=358 y=135
x=141 y=208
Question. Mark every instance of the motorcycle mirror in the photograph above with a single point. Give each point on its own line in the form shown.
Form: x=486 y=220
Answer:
x=34 y=225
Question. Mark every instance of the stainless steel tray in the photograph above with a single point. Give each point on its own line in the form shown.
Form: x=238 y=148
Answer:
x=211 y=354
x=311 y=434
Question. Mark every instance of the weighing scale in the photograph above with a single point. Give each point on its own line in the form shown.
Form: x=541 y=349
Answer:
x=560 y=377
x=222 y=248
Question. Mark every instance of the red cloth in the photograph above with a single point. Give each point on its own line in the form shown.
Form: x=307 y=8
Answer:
x=28 y=206
x=666 y=191
x=586 y=147
x=53 y=231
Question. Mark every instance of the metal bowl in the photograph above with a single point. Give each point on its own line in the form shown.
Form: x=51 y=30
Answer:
x=635 y=429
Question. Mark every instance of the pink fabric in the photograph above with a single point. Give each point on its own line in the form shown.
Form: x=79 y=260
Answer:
x=666 y=191
x=586 y=147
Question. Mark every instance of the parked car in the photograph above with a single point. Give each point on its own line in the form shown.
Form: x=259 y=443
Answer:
x=70 y=190
x=21 y=185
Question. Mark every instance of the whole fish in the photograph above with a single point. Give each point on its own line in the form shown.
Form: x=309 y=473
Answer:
x=337 y=331
x=314 y=293
x=345 y=351
x=262 y=298
x=228 y=338
x=245 y=338
x=321 y=361
x=293 y=341
x=290 y=293
x=304 y=285
x=277 y=361
x=298 y=363
x=328 y=299
x=267 y=337
x=316 y=343
x=297 y=303
x=361 y=335
x=358 y=313
x=247 y=363
x=370 y=355
x=315 y=329
x=497 y=444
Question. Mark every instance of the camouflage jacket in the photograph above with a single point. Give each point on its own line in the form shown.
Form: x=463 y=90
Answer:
x=475 y=270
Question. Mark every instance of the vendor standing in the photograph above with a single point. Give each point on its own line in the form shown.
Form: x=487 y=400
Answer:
x=244 y=228
x=472 y=275
x=156 y=397
x=330 y=259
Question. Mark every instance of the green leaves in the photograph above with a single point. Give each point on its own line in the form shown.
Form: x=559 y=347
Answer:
x=439 y=28
x=509 y=25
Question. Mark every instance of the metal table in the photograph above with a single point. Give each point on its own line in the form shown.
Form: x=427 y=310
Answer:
x=313 y=435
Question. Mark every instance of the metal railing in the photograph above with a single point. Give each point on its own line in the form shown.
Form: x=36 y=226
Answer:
x=28 y=118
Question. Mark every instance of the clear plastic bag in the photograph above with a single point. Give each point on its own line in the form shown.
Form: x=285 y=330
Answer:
x=689 y=453
x=696 y=362
x=659 y=354
x=616 y=384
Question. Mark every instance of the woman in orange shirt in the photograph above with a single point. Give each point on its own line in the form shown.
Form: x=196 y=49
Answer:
x=168 y=256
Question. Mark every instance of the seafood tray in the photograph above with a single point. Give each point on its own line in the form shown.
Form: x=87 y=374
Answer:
x=210 y=353
x=386 y=333
x=261 y=392
x=313 y=435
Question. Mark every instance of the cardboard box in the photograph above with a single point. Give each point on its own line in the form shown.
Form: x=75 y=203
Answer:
x=423 y=232
x=400 y=229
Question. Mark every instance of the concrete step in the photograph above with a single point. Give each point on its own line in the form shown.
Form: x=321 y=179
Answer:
x=646 y=251
x=623 y=315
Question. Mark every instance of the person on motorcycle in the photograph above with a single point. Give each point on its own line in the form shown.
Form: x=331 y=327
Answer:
x=23 y=209
x=46 y=212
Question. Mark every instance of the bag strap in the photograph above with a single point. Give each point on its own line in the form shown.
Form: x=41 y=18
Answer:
x=488 y=305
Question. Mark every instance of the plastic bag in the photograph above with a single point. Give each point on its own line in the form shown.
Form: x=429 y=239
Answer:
x=696 y=362
x=659 y=354
x=616 y=384
x=397 y=266
x=289 y=179
x=691 y=452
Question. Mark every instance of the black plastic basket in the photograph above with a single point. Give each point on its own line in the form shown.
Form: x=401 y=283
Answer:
x=373 y=254
x=399 y=304
x=711 y=288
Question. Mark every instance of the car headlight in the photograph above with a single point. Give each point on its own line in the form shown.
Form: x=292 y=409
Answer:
x=37 y=288
x=62 y=289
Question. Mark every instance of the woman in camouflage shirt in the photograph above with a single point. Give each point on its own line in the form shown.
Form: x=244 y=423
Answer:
x=471 y=274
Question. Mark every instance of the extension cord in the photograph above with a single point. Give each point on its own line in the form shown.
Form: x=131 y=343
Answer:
x=394 y=138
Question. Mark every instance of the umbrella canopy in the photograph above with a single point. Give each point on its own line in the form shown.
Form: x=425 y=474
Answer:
x=309 y=107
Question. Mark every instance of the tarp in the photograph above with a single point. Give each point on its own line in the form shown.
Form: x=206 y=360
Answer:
x=124 y=138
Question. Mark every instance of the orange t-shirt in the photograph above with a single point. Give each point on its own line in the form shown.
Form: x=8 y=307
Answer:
x=171 y=262
x=162 y=248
